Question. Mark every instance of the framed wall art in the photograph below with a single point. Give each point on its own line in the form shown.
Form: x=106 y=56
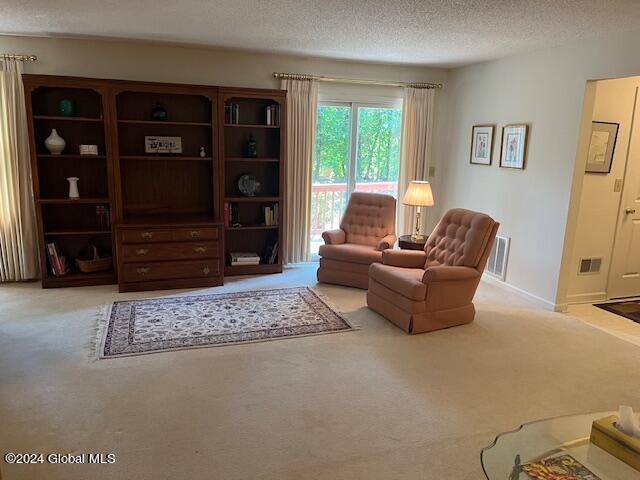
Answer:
x=602 y=144
x=513 y=148
x=481 y=144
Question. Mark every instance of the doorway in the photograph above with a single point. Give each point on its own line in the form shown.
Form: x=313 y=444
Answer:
x=605 y=260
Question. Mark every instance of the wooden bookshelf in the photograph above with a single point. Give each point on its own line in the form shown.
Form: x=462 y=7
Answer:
x=173 y=203
x=267 y=166
x=72 y=224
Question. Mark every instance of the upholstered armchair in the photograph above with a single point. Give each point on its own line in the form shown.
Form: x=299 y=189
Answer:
x=427 y=290
x=367 y=228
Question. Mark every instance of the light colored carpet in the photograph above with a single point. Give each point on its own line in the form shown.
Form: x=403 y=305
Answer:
x=371 y=404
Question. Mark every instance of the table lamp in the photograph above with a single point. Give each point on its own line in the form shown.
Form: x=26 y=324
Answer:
x=418 y=194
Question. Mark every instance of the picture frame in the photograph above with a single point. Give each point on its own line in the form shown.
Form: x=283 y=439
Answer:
x=153 y=144
x=513 y=146
x=602 y=145
x=481 y=145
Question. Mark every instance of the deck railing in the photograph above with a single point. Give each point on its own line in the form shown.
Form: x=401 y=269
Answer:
x=328 y=201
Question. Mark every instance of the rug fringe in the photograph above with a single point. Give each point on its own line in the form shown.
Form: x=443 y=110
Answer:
x=101 y=321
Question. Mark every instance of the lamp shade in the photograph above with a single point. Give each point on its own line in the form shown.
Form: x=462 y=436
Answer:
x=418 y=194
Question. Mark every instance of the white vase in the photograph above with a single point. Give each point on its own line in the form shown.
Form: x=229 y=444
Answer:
x=55 y=143
x=73 y=187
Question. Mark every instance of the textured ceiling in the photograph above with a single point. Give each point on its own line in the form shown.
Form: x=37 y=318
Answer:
x=435 y=32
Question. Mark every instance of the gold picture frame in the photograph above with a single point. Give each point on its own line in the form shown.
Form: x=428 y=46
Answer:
x=513 y=146
x=481 y=145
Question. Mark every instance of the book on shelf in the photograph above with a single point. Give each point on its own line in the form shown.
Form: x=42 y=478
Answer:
x=57 y=262
x=244 y=258
x=273 y=115
x=270 y=214
x=232 y=114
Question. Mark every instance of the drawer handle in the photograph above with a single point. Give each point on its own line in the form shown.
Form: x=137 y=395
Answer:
x=143 y=270
x=195 y=234
x=200 y=249
x=142 y=251
x=206 y=270
x=146 y=235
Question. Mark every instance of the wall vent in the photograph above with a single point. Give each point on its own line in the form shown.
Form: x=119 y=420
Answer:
x=497 y=263
x=589 y=266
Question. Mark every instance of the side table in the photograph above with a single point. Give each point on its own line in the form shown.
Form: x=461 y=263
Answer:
x=406 y=243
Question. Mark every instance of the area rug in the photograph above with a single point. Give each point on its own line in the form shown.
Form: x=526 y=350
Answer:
x=627 y=308
x=136 y=327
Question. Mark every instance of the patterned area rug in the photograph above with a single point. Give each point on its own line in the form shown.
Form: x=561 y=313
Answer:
x=627 y=308
x=153 y=325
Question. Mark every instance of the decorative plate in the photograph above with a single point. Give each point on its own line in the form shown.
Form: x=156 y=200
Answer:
x=248 y=185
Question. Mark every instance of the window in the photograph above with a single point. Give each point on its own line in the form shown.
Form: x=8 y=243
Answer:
x=357 y=149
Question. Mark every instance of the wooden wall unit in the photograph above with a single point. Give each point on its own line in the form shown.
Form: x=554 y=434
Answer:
x=167 y=209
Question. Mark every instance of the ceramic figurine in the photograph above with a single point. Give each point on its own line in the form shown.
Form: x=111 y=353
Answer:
x=73 y=187
x=55 y=143
x=159 y=112
x=66 y=107
x=202 y=152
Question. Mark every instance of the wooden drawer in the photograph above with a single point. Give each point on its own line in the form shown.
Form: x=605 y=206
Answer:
x=169 y=251
x=197 y=234
x=153 y=235
x=146 y=235
x=142 y=272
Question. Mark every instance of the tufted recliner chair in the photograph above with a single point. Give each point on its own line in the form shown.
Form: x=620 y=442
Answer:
x=367 y=228
x=427 y=290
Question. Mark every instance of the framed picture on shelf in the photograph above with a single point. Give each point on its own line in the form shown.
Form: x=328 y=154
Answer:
x=481 y=144
x=602 y=144
x=162 y=144
x=513 y=147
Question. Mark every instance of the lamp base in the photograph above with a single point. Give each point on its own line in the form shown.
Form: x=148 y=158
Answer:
x=416 y=237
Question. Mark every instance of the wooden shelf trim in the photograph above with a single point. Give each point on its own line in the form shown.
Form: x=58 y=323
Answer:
x=69 y=201
x=251 y=199
x=69 y=156
x=67 y=119
x=253 y=227
x=77 y=232
x=166 y=122
x=165 y=157
x=252 y=159
x=250 y=125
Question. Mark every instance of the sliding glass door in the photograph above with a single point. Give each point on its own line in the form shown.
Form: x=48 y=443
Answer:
x=357 y=149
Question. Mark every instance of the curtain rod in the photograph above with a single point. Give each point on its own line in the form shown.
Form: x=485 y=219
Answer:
x=20 y=58
x=320 y=78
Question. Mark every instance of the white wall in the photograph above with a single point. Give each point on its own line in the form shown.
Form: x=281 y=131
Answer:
x=536 y=207
x=599 y=203
x=147 y=61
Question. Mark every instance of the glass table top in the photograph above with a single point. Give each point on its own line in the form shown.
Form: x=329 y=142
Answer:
x=551 y=438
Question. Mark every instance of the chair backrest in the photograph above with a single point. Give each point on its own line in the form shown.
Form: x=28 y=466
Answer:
x=369 y=217
x=461 y=238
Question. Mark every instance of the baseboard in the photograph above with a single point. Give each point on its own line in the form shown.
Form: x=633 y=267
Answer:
x=546 y=304
x=586 y=298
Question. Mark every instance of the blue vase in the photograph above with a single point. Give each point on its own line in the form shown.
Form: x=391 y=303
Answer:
x=66 y=107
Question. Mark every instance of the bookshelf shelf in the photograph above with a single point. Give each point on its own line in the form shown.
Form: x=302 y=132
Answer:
x=165 y=122
x=72 y=201
x=250 y=125
x=252 y=199
x=58 y=118
x=252 y=159
x=165 y=157
x=71 y=156
x=253 y=227
x=56 y=233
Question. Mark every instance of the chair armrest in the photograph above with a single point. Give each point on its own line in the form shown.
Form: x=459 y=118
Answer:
x=386 y=242
x=446 y=273
x=334 y=237
x=404 y=258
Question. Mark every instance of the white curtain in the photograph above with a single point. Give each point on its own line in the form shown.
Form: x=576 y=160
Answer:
x=302 y=105
x=415 y=157
x=18 y=244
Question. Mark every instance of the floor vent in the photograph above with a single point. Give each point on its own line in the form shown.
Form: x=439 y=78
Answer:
x=497 y=263
x=589 y=265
